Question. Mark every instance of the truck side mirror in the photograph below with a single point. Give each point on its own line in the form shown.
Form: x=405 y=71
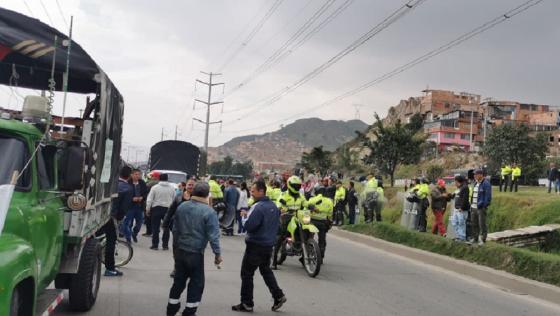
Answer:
x=71 y=168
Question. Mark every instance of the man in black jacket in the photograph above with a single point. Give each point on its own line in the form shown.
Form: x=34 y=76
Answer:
x=352 y=198
x=553 y=176
x=263 y=220
x=120 y=206
x=461 y=211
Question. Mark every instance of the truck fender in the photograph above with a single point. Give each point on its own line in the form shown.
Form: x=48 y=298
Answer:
x=17 y=263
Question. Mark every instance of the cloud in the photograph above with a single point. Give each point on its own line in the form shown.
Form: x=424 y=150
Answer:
x=154 y=50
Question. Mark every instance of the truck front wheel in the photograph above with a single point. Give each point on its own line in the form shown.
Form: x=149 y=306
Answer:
x=16 y=303
x=85 y=284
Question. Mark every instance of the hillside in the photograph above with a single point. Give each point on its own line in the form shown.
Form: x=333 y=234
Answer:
x=283 y=148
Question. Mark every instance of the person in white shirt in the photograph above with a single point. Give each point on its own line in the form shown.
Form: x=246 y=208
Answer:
x=242 y=206
x=159 y=199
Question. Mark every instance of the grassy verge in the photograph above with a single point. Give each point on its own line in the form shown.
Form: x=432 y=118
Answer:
x=536 y=266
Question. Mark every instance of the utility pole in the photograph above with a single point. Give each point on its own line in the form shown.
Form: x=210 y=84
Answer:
x=357 y=110
x=471 y=149
x=208 y=104
x=175 y=132
x=162 y=134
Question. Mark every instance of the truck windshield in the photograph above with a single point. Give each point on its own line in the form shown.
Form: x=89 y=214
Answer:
x=176 y=177
x=13 y=158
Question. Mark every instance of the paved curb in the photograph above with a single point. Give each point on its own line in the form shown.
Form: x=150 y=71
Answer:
x=501 y=279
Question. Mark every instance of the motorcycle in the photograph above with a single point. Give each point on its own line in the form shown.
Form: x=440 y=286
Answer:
x=300 y=242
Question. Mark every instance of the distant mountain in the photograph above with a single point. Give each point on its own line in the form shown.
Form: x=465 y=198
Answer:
x=283 y=148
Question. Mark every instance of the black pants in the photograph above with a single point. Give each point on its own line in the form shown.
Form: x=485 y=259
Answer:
x=157 y=214
x=323 y=227
x=504 y=182
x=111 y=239
x=422 y=220
x=351 y=214
x=338 y=214
x=148 y=222
x=257 y=256
x=513 y=185
x=188 y=266
x=282 y=233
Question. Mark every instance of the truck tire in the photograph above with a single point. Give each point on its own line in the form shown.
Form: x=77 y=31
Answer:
x=85 y=284
x=16 y=304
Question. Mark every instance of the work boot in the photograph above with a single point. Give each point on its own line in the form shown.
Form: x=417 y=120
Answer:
x=173 y=309
x=278 y=303
x=189 y=311
x=242 y=307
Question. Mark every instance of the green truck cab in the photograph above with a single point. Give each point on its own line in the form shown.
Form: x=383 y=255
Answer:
x=58 y=174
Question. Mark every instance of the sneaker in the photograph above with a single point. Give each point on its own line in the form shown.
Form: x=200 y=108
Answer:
x=135 y=238
x=113 y=273
x=242 y=308
x=278 y=303
x=481 y=243
x=147 y=235
x=154 y=247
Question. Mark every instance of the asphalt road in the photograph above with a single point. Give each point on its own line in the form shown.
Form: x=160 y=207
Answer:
x=355 y=280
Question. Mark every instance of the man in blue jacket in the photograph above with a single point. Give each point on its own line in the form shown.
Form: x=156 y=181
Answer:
x=195 y=224
x=262 y=227
x=480 y=201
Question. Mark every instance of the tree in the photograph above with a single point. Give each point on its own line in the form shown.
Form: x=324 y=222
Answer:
x=434 y=172
x=508 y=144
x=392 y=146
x=228 y=167
x=317 y=160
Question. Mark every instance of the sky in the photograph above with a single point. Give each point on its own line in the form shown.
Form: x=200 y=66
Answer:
x=155 y=50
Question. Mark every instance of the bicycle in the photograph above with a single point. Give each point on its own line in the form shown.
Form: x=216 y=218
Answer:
x=123 y=249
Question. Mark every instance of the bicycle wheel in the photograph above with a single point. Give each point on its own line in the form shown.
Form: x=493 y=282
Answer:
x=123 y=252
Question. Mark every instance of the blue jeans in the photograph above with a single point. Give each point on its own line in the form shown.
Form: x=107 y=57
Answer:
x=135 y=215
x=459 y=222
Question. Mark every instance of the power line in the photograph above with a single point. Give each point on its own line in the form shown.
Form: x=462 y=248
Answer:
x=274 y=58
x=236 y=38
x=62 y=14
x=388 y=21
x=252 y=34
x=46 y=12
x=435 y=52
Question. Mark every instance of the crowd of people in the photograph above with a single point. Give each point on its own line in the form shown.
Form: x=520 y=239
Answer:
x=200 y=211
x=471 y=200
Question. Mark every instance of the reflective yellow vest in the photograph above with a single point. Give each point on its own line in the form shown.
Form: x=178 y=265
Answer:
x=340 y=195
x=215 y=190
x=323 y=206
x=288 y=203
x=506 y=171
x=515 y=173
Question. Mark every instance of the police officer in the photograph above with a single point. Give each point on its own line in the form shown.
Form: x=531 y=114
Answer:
x=339 y=204
x=422 y=190
x=505 y=176
x=515 y=175
x=216 y=196
x=290 y=202
x=321 y=208
x=369 y=198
